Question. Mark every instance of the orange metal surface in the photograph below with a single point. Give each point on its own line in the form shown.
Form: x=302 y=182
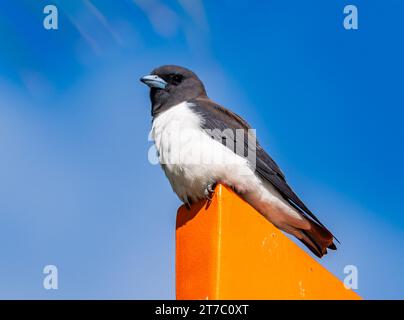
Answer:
x=227 y=250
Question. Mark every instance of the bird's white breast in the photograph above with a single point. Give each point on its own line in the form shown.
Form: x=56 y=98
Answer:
x=191 y=159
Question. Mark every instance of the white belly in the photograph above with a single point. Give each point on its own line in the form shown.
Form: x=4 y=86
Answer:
x=192 y=160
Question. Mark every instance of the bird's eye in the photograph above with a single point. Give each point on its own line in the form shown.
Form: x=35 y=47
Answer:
x=176 y=78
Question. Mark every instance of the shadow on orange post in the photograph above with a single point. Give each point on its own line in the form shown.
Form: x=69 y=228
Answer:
x=227 y=250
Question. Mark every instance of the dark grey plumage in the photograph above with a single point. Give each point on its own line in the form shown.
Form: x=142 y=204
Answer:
x=218 y=117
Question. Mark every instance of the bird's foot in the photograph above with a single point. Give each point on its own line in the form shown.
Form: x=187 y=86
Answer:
x=188 y=204
x=209 y=191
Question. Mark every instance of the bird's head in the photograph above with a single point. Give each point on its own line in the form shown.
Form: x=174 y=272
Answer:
x=171 y=85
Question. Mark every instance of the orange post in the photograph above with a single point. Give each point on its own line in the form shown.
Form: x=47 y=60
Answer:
x=227 y=250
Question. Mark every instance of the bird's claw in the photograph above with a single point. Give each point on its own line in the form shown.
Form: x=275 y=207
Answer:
x=209 y=191
x=211 y=187
x=188 y=203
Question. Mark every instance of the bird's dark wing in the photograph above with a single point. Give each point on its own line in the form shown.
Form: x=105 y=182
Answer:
x=218 y=117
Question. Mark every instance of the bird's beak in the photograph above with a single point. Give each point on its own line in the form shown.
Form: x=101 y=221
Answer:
x=154 y=81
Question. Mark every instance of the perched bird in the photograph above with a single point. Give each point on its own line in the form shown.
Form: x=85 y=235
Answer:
x=195 y=139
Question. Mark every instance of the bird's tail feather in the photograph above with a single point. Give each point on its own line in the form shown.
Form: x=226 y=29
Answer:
x=318 y=239
x=315 y=236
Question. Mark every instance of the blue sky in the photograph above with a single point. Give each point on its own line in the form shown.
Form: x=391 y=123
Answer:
x=77 y=190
